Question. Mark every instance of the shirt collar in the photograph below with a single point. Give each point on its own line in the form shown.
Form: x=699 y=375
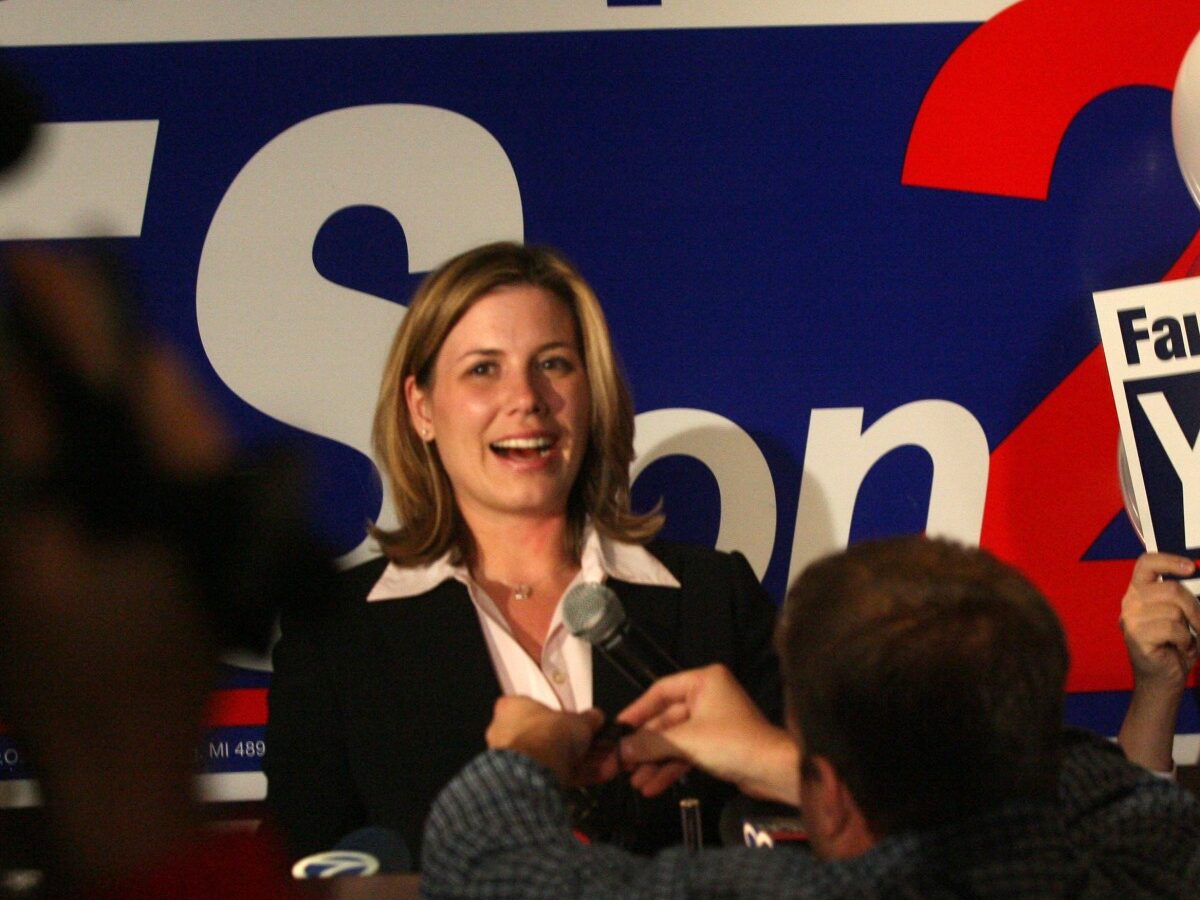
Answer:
x=602 y=558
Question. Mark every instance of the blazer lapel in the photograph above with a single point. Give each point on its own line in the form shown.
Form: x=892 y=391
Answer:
x=446 y=678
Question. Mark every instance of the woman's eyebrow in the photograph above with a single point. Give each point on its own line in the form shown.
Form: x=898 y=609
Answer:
x=493 y=352
x=478 y=351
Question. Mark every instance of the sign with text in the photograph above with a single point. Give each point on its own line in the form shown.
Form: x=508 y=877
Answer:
x=1151 y=337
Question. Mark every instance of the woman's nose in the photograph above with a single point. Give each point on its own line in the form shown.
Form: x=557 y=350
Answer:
x=527 y=392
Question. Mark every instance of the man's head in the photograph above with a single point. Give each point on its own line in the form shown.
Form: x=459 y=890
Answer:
x=927 y=678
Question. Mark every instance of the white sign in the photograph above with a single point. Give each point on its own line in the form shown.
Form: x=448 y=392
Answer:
x=1151 y=337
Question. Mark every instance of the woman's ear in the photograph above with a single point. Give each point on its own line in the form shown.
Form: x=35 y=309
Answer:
x=416 y=399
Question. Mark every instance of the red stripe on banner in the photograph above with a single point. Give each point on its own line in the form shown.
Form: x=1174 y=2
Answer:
x=240 y=706
x=977 y=129
x=1052 y=489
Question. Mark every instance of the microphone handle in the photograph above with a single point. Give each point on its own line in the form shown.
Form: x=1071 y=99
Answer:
x=636 y=656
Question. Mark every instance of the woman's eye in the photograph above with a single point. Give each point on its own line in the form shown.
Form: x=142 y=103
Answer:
x=557 y=364
x=483 y=368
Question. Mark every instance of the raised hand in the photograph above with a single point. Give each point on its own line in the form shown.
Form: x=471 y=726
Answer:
x=1159 y=619
x=560 y=741
x=703 y=717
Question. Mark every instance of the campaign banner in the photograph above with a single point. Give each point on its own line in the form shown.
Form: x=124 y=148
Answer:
x=847 y=251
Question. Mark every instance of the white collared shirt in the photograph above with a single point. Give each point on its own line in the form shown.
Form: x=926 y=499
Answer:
x=562 y=678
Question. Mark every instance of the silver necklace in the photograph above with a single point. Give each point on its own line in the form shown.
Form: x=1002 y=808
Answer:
x=523 y=590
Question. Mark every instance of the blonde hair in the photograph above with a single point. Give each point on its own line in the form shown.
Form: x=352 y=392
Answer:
x=430 y=522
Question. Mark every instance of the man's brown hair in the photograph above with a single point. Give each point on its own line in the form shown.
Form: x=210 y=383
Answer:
x=931 y=676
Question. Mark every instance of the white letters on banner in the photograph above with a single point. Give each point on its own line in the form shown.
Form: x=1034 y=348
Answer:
x=839 y=454
x=80 y=179
x=743 y=477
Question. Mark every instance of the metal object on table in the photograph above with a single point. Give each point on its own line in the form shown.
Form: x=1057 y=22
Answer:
x=693 y=831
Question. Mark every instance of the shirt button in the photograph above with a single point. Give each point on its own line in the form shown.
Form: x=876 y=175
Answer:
x=558 y=677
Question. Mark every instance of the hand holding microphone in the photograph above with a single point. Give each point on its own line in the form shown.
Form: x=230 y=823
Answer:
x=700 y=717
x=594 y=612
x=703 y=717
x=578 y=747
x=563 y=742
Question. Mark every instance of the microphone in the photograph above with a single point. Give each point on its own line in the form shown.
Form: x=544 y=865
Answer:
x=761 y=823
x=367 y=851
x=594 y=612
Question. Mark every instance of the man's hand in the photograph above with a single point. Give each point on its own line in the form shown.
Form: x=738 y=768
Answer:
x=560 y=741
x=703 y=717
x=1155 y=618
x=1159 y=619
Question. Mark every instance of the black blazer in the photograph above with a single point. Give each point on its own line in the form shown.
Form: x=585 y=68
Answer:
x=374 y=707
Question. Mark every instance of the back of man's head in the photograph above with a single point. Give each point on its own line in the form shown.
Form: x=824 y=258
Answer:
x=931 y=677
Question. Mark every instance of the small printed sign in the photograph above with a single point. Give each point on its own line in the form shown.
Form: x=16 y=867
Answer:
x=1151 y=337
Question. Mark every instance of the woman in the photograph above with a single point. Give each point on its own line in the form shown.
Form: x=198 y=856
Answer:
x=1160 y=619
x=506 y=433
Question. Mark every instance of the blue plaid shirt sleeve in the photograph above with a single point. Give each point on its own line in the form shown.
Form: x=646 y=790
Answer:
x=500 y=829
x=1137 y=830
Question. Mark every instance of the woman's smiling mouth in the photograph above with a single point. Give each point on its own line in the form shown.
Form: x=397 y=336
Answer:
x=524 y=447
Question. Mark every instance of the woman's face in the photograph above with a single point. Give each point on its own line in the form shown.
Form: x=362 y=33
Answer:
x=508 y=405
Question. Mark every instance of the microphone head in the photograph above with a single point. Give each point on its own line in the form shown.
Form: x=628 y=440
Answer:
x=593 y=612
